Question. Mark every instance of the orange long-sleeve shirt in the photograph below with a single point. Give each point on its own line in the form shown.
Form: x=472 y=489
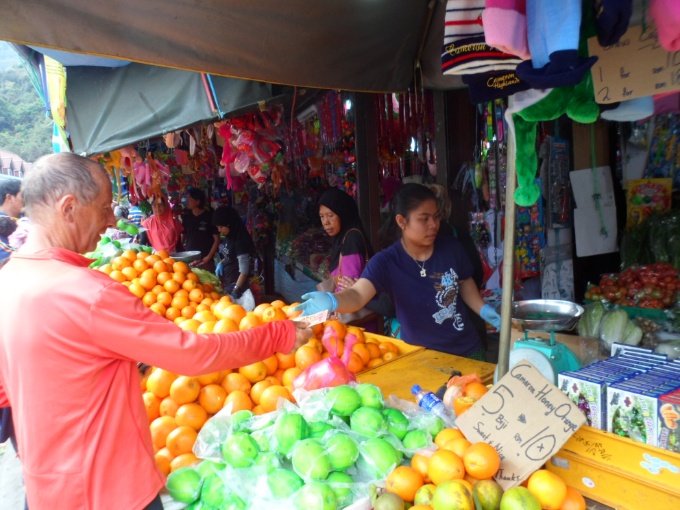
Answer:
x=70 y=338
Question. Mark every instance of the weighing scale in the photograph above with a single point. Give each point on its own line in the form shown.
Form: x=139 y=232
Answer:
x=547 y=355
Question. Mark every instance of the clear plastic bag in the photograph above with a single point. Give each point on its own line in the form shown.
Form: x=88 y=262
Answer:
x=330 y=371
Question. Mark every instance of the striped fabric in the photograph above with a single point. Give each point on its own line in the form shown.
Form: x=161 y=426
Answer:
x=136 y=216
x=465 y=50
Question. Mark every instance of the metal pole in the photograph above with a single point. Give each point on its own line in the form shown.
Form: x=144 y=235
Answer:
x=508 y=258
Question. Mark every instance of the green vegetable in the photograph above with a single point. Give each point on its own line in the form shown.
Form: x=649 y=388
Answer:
x=131 y=229
x=613 y=326
x=632 y=334
x=207 y=277
x=121 y=224
x=589 y=325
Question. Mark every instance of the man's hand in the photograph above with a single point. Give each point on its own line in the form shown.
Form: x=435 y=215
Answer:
x=303 y=334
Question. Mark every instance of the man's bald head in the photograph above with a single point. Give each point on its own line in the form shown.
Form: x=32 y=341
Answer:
x=57 y=175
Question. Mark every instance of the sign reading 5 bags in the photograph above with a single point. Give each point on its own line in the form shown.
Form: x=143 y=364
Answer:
x=526 y=418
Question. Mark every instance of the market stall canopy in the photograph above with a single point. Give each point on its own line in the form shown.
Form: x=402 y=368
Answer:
x=364 y=45
x=109 y=108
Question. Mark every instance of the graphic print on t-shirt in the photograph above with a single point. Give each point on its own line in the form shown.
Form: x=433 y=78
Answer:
x=447 y=294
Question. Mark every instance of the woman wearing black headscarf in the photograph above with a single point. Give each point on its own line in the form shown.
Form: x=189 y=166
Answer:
x=236 y=251
x=351 y=249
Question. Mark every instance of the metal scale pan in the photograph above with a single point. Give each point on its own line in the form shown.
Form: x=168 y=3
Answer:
x=547 y=355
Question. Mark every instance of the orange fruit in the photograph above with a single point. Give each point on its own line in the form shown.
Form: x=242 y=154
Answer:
x=204 y=308
x=548 y=488
x=389 y=356
x=445 y=465
x=574 y=500
x=269 y=398
x=457 y=445
x=355 y=363
x=163 y=277
x=445 y=435
x=179 y=277
x=162 y=462
x=188 y=312
x=363 y=352
x=285 y=360
x=404 y=481
x=106 y=269
x=316 y=343
x=160 y=428
x=164 y=452
x=172 y=313
x=306 y=356
x=181 y=440
x=290 y=312
x=184 y=389
x=239 y=401
x=211 y=378
x=235 y=381
x=462 y=404
x=119 y=263
x=373 y=349
x=475 y=390
x=164 y=298
x=157 y=289
x=250 y=320
x=152 y=259
x=160 y=267
x=272 y=364
x=118 y=276
x=257 y=410
x=257 y=389
x=225 y=326
x=234 y=312
x=274 y=314
x=481 y=460
x=357 y=332
x=339 y=327
x=146 y=281
x=421 y=507
x=159 y=382
x=374 y=363
x=179 y=320
x=195 y=295
x=206 y=327
x=278 y=303
x=192 y=415
x=254 y=372
x=208 y=287
x=168 y=407
x=131 y=255
x=193 y=277
x=129 y=272
x=190 y=325
x=171 y=286
x=317 y=330
x=152 y=404
x=183 y=293
x=205 y=316
x=162 y=254
x=212 y=397
x=388 y=346
x=220 y=307
x=125 y=284
x=259 y=309
x=181 y=267
x=137 y=290
x=148 y=299
x=184 y=460
x=289 y=375
x=420 y=462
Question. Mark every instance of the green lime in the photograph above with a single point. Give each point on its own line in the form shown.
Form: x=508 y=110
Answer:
x=283 y=482
x=184 y=484
x=342 y=451
x=240 y=450
x=344 y=400
x=311 y=460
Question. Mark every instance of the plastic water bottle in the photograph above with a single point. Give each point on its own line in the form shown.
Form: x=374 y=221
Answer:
x=431 y=403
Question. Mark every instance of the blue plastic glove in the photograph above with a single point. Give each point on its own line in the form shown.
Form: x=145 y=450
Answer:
x=219 y=271
x=491 y=316
x=317 y=302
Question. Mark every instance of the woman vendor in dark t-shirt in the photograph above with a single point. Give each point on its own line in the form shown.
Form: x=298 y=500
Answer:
x=236 y=251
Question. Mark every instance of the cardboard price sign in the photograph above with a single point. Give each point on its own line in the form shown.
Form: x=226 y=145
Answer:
x=526 y=418
x=636 y=66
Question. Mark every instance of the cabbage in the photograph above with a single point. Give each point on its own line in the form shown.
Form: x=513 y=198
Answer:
x=632 y=334
x=589 y=325
x=612 y=326
x=205 y=276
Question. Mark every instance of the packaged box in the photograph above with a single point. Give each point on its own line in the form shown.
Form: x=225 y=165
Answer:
x=669 y=422
x=632 y=413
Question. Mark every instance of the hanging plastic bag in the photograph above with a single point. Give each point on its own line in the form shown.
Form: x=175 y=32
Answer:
x=330 y=371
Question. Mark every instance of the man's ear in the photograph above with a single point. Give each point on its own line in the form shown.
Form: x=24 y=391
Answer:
x=66 y=206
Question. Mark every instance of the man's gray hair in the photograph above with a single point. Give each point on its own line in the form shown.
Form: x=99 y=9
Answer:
x=56 y=175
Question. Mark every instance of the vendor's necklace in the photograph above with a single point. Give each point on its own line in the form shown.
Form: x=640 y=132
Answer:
x=423 y=271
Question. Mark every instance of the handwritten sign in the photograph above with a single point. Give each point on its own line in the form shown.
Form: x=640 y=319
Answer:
x=636 y=66
x=312 y=320
x=526 y=418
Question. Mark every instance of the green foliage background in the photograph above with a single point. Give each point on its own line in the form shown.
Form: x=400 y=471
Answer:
x=25 y=130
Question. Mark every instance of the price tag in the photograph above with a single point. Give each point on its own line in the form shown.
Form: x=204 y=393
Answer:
x=526 y=418
x=636 y=66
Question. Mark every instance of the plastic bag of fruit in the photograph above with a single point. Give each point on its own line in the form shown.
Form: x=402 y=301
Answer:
x=330 y=371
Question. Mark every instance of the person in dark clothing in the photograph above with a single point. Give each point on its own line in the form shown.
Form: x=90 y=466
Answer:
x=236 y=251
x=199 y=232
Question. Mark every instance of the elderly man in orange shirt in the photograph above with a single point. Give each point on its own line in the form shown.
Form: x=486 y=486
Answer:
x=70 y=339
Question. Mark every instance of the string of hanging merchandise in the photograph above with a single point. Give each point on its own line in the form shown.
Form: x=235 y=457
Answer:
x=596 y=190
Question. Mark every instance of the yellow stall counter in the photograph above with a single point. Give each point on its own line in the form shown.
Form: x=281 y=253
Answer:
x=430 y=369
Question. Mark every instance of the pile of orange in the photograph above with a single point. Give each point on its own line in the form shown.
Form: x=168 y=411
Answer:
x=456 y=459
